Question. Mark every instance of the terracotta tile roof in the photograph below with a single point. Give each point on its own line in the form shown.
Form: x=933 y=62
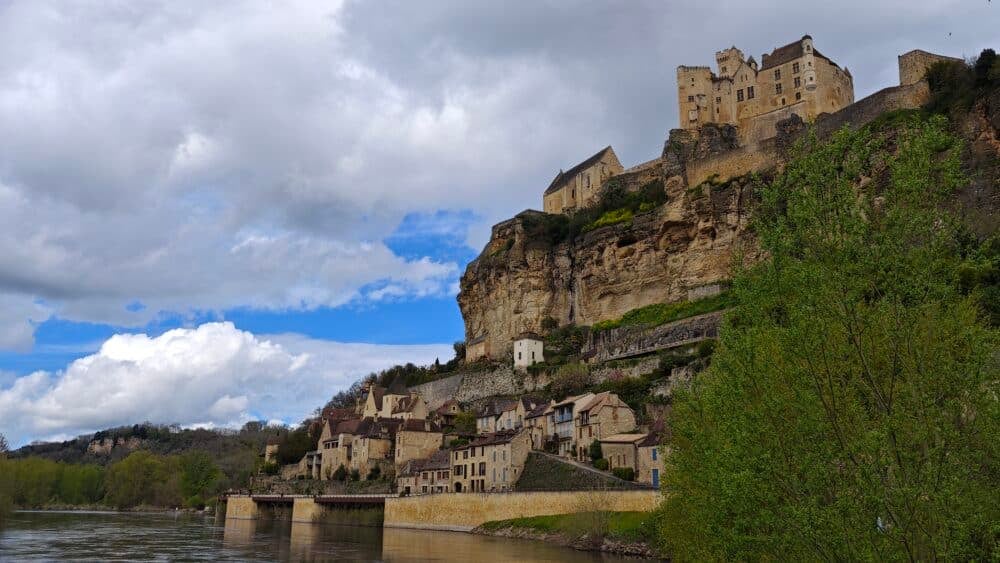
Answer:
x=338 y=414
x=569 y=400
x=561 y=176
x=446 y=407
x=603 y=399
x=491 y=439
x=651 y=439
x=438 y=460
x=625 y=438
x=538 y=411
x=406 y=404
x=418 y=425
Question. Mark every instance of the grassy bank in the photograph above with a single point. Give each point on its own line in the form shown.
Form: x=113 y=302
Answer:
x=630 y=533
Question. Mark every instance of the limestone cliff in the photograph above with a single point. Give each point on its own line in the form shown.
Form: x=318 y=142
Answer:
x=522 y=277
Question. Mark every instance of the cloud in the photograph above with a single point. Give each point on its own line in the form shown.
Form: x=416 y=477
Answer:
x=198 y=156
x=213 y=375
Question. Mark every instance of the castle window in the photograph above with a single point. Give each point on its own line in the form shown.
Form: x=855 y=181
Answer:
x=798 y=95
x=777 y=88
x=798 y=82
x=777 y=74
x=749 y=92
x=723 y=70
x=809 y=48
x=782 y=101
x=718 y=100
x=690 y=98
x=795 y=68
x=739 y=95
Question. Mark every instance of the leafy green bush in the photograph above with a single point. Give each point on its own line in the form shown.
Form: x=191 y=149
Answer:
x=625 y=473
x=270 y=468
x=601 y=464
x=609 y=218
x=850 y=411
x=355 y=475
x=340 y=474
x=662 y=313
x=595 y=450
x=374 y=473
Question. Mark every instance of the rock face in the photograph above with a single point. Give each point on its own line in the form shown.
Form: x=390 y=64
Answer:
x=522 y=278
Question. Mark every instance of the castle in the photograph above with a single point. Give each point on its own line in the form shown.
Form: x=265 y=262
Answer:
x=750 y=99
x=794 y=78
x=738 y=119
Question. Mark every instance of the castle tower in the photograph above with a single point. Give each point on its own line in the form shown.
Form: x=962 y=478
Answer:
x=727 y=61
x=694 y=92
x=809 y=60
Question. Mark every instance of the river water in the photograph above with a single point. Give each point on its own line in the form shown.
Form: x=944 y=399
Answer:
x=110 y=536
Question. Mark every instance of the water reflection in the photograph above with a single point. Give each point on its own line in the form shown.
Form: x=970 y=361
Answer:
x=119 y=537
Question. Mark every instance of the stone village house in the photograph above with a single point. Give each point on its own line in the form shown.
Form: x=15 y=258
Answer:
x=528 y=351
x=426 y=476
x=640 y=452
x=378 y=402
x=490 y=463
x=604 y=415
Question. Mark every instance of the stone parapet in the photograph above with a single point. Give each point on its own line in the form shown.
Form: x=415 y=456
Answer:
x=465 y=511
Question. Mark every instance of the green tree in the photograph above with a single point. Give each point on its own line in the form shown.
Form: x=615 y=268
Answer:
x=851 y=408
x=199 y=474
x=465 y=422
x=4 y=446
x=595 y=450
x=141 y=478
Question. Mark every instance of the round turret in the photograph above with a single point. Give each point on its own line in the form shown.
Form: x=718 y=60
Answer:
x=809 y=62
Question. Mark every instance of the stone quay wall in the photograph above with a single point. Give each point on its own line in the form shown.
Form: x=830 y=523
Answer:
x=465 y=511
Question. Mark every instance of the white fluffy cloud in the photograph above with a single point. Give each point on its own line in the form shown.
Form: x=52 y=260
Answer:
x=213 y=375
x=199 y=156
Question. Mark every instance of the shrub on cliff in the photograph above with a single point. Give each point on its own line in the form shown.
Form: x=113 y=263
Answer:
x=851 y=408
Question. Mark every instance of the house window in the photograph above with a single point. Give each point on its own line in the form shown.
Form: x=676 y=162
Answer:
x=782 y=101
x=777 y=74
x=739 y=95
x=519 y=355
x=798 y=95
x=749 y=92
x=798 y=82
x=482 y=468
x=777 y=88
x=718 y=100
x=795 y=68
x=465 y=454
x=809 y=48
x=573 y=192
x=690 y=98
x=654 y=454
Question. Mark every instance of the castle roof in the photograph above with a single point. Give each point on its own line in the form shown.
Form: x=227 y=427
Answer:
x=787 y=53
x=563 y=176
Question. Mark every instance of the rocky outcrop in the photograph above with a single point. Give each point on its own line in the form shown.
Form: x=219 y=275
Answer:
x=105 y=446
x=524 y=277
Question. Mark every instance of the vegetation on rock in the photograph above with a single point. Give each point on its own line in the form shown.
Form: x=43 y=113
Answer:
x=851 y=409
x=662 y=313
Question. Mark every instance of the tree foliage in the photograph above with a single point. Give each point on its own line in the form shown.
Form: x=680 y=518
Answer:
x=851 y=408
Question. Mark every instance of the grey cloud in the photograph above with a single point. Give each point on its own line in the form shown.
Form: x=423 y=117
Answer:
x=243 y=153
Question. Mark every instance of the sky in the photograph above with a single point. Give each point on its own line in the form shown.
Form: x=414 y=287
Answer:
x=228 y=211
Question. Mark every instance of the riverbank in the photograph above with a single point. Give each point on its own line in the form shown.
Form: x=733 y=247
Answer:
x=110 y=509
x=621 y=533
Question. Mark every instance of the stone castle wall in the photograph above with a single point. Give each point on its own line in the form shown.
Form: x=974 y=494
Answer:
x=913 y=65
x=437 y=392
x=465 y=511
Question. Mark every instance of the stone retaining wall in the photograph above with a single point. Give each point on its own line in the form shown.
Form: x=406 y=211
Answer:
x=630 y=341
x=465 y=511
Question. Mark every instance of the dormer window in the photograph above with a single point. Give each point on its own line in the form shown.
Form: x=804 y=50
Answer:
x=809 y=48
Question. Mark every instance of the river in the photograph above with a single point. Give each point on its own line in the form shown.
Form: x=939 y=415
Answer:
x=113 y=536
